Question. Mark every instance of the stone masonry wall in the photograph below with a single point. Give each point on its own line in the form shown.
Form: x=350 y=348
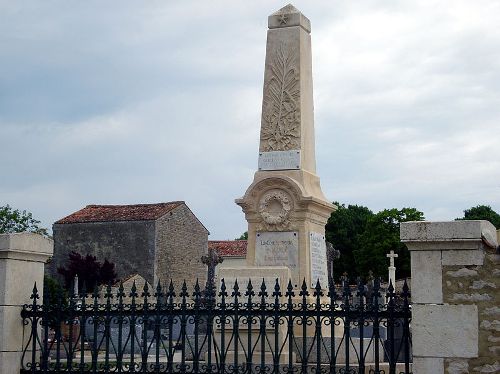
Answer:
x=181 y=240
x=477 y=285
x=129 y=245
x=455 y=296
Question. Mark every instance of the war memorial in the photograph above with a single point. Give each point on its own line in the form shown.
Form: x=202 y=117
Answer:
x=279 y=312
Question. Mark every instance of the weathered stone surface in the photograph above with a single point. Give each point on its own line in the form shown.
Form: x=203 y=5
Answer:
x=463 y=272
x=490 y=325
x=25 y=246
x=10 y=324
x=457 y=366
x=289 y=16
x=446 y=231
x=494 y=310
x=169 y=247
x=435 y=326
x=22 y=261
x=426 y=277
x=180 y=240
x=10 y=362
x=488 y=368
x=427 y=365
x=495 y=258
x=469 y=271
x=480 y=284
x=471 y=297
x=468 y=257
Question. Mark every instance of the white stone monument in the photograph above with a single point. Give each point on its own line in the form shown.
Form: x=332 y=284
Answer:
x=392 y=269
x=285 y=208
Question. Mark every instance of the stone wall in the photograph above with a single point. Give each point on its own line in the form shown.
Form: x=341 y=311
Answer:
x=130 y=245
x=455 y=296
x=181 y=240
x=479 y=287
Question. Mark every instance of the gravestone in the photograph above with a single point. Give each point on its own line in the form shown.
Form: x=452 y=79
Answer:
x=285 y=208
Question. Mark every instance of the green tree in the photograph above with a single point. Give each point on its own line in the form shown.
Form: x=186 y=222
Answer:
x=344 y=229
x=243 y=236
x=380 y=237
x=53 y=290
x=14 y=220
x=482 y=212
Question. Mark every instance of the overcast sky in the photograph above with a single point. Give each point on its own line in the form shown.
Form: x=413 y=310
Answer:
x=118 y=102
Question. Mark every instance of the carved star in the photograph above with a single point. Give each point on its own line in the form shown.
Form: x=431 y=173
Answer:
x=283 y=19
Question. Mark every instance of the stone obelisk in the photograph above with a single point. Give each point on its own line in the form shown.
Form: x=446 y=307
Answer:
x=285 y=208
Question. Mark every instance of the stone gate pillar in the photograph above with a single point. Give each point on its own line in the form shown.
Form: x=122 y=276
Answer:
x=455 y=285
x=22 y=259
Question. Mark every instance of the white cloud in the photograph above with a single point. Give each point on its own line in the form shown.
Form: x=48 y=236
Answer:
x=121 y=102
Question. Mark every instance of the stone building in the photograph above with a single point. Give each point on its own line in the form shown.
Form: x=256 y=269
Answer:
x=158 y=241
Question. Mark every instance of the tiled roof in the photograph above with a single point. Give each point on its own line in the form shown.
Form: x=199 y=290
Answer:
x=229 y=248
x=107 y=213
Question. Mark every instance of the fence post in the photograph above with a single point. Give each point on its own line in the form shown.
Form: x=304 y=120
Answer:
x=455 y=294
x=22 y=259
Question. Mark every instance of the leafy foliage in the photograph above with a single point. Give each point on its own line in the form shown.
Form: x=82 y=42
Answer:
x=54 y=290
x=482 y=212
x=380 y=237
x=14 y=220
x=343 y=230
x=364 y=239
x=243 y=236
x=90 y=271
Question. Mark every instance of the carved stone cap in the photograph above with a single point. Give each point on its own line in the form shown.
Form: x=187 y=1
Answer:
x=288 y=16
x=26 y=246
x=448 y=235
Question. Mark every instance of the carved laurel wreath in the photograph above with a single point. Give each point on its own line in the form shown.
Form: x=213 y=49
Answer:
x=273 y=196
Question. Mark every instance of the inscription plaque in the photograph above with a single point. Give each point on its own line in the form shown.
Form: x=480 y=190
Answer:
x=279 y=160
x=317 y=250
x=277 y=248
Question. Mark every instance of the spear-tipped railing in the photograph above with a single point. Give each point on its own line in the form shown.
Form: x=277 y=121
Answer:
x=274 y=329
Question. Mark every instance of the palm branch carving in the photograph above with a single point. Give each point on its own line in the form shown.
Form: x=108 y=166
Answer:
x=281 y=108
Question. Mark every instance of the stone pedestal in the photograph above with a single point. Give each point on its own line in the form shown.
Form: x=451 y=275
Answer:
x=256 y=275
x=454 y=283
x=22 y=259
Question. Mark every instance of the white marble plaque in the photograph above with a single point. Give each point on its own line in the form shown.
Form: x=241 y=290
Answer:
x=279 y=160
x=319 y=269
x=277 y=248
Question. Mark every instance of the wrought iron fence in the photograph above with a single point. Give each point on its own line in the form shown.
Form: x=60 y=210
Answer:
x=252 y=330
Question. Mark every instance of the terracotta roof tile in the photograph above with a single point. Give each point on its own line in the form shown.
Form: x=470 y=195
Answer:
x=229 y=248
x=106 y=213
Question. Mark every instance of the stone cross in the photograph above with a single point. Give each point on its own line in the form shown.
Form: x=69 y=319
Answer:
x=332 y=254
x=212 y=259
x=392 y=268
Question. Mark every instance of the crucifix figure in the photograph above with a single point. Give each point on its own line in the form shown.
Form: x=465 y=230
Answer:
x=392 y=268
x=212 y=259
